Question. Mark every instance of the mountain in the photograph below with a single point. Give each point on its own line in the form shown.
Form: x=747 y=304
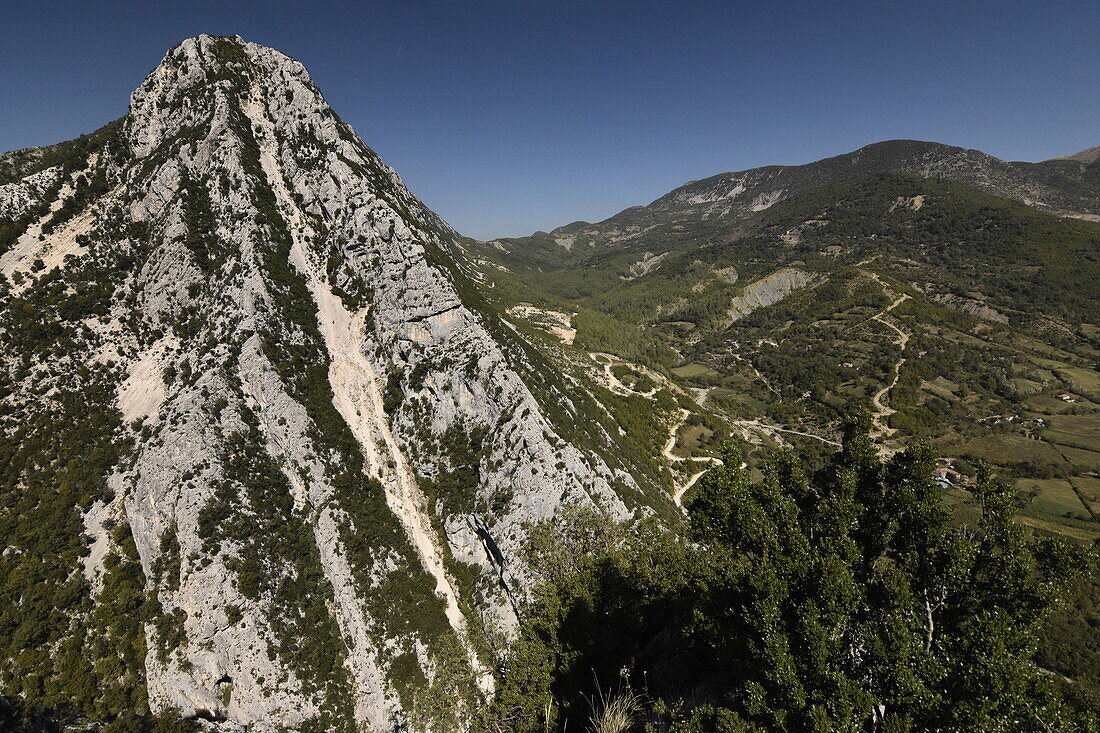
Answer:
x=718 y=207
x=952 y=293
x=1088 y=156
x=267 y=454
x=1067 y=186
x=1060 y=187
x=275 y=439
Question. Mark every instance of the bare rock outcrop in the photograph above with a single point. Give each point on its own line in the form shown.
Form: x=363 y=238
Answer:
x=331 y=451
x=769 y=290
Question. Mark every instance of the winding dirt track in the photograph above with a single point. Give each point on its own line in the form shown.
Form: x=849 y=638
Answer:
x=883 y=410
x=774 y=428
x=679 y=491
x=614 y=383
x=878 y=418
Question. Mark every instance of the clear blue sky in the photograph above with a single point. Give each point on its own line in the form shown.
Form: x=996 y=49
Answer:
x=510 y=117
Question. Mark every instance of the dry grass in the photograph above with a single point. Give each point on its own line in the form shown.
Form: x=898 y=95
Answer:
x=614 y=712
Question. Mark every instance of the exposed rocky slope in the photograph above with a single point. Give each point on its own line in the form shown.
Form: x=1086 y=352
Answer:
x=769 y=290
x=1068 y=186
x=1061 y=186
x=267 y=456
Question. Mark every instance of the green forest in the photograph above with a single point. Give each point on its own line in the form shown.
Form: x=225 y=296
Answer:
x=849 y=599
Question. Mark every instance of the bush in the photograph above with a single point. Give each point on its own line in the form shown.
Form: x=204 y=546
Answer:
x=801 y=602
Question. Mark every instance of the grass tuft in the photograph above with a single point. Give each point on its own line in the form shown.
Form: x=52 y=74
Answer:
x=614 y=712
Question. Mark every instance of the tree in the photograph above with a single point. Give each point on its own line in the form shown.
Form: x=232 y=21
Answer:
x=849 y=600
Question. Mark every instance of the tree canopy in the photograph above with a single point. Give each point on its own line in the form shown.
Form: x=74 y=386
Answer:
x=845 y=600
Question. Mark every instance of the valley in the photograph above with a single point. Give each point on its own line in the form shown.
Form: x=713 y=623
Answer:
x=871 y=327
x=282 y=450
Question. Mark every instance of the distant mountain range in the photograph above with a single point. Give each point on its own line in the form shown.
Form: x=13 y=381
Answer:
x=1068 y=186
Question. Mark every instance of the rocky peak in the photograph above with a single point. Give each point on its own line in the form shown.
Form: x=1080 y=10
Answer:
x=322 y=421
x=206 y=79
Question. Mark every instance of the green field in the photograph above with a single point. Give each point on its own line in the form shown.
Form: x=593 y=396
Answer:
x=1054 y=497
x=1009 y=449
x=694 y=369
x=738 y=402
x=1077 y=438
x=1086 y=459
x=1049 y=404
x=942 y=388
x=690 y=441
x=1054 y=506
x=1089 y=489
x=1072 y=440
x=1085 y=427
x=1083 y=381
x=1074 y=529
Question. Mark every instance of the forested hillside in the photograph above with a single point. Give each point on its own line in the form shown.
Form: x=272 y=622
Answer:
x=848 y=598
x=961 y=317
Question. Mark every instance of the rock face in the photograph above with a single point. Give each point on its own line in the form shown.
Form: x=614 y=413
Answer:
x=299 y=453
x=17 y=198
x=769 y=290
x=974 y=307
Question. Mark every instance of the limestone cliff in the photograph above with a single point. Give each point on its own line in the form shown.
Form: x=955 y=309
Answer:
x=769 y=290
x=270 y=455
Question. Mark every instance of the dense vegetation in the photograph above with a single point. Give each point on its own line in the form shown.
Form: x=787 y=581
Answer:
x=18 y=716
x=64 y=651
x=1022 y=258
x=843 y=600
x=1020 y=395
x=71 y=154
x=69 y=158
x=998 y=305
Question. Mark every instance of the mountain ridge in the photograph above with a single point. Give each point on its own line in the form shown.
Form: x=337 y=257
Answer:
x=1087 y=156
x=767 y=184
x=277 y=337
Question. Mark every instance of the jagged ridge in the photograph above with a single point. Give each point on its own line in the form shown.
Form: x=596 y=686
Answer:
x=327 y=449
